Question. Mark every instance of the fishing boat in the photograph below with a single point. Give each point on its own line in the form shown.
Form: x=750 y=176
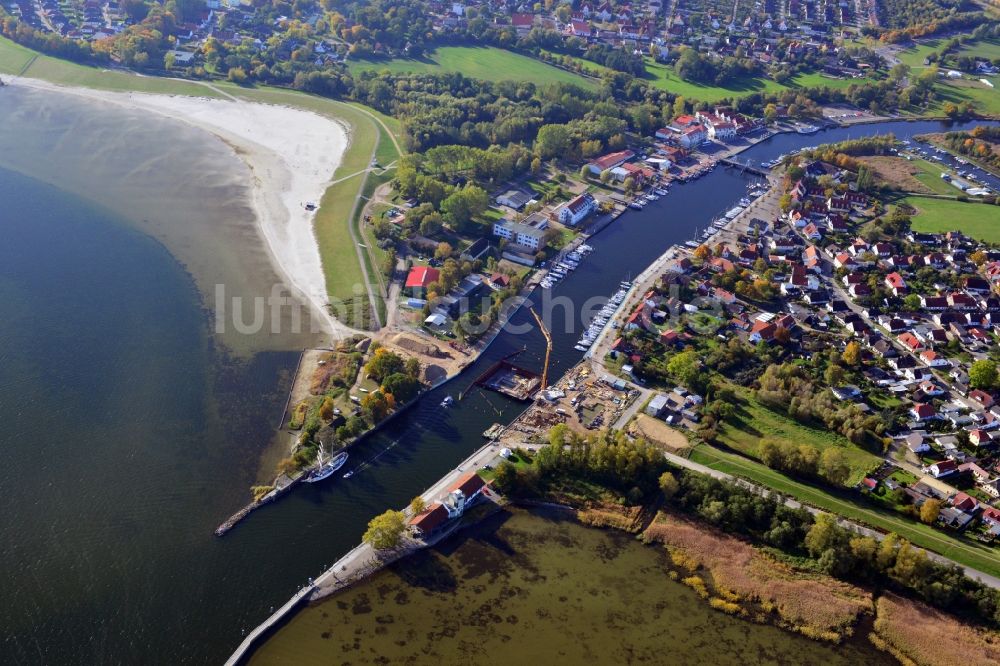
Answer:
x=326 y=468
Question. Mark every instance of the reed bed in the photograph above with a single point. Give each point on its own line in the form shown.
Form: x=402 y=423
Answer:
x=743 y=580
x=915 y=633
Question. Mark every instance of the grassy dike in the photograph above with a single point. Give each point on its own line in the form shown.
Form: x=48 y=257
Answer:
x=370 y=134
x=969 y=553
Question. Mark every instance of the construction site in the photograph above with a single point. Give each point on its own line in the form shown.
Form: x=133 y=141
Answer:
x=581 y=400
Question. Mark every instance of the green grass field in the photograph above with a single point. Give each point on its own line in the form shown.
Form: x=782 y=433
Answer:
x=914 y=56
x=980 y=221
x=930 y=175
x=13 y=57
x=486 y=63
x=755 y=422
x=969 y=553
x=986 y=48
x=664 y=77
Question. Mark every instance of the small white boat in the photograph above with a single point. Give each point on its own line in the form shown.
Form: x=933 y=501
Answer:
x=448 y=401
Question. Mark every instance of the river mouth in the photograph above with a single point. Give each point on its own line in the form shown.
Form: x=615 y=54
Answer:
x=536 y=585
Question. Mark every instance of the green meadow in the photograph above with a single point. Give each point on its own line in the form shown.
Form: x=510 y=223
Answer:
x=486 y=63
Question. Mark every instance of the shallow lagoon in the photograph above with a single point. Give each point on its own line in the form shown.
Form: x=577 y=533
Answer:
x=536 y=586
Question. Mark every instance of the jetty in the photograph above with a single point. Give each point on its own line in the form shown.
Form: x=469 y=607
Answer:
x=282 y=485
x=362 y=560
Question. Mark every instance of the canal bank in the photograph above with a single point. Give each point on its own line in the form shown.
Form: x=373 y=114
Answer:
x=420 y=446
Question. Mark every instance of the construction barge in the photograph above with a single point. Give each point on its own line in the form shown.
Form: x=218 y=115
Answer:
x=511 y=380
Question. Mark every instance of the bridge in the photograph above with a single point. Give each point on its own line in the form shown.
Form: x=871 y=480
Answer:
x=745 y=168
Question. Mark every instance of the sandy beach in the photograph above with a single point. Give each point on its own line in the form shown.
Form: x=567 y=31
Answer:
x=292 y=155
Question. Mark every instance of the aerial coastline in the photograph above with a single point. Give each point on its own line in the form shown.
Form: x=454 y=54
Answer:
x=292 y=155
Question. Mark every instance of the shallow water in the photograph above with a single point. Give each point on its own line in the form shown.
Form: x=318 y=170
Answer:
x=537 y=588
x=168 y=179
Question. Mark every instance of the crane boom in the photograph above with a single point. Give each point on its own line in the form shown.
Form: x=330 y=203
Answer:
x=548 y=349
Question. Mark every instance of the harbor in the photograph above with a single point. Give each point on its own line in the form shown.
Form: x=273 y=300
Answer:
x=421 y=445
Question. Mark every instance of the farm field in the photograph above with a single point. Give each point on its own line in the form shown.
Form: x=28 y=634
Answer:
x=976 y=555
x=980 y=221
x=487 y=63
x=754 y=422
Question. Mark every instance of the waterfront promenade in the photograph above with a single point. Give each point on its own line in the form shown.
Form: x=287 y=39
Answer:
x=363 y=560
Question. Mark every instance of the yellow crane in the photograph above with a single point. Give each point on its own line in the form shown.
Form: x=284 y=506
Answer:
x=548 y=349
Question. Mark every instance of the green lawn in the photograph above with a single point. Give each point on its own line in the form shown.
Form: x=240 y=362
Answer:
x=980 y=221
x=663 y=76
x=986 y=48
x=986 y=100
x=970 y=553
x=930 y=175
x=13 y=57
x=754 y=422
x=487 y=63
x=914 y=56
x=63 y=72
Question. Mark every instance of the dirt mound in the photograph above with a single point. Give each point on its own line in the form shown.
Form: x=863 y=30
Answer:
x=411 y=344
x=433 y=374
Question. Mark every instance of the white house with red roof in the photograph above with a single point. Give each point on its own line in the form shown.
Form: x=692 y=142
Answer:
x=609 y=161
x=896 y=283
x=576 y=209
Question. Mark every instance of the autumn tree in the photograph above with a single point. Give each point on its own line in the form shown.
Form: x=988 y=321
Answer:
x=417 y=505
x=930 y=510
x=852 y=354
x=384 y=363
x=377 y=405
x=386 y=530
x=834 y=467
x=669 y=485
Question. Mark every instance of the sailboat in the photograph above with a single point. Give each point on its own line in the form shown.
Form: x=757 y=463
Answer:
x=326 y=468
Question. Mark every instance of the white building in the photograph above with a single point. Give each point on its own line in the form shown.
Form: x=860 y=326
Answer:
x=575 y=210
x=528 y=235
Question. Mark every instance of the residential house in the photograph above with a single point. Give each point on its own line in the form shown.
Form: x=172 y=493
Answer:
x=419 y=278
x=609 y=161
x=895 y=283
x=529 y=234
x=923 y=412
x=941 y=468
x=515 y=199
x=576 y=209
x=428 y=521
